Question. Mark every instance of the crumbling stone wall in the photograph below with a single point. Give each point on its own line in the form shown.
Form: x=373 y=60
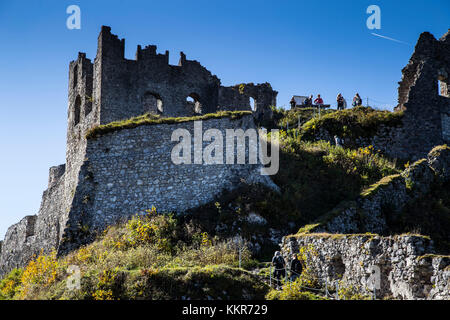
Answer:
x=238 y=98
x=407 y=269
x=426 y=105
x=120 y=88
x=125 y=83
x=36 y=233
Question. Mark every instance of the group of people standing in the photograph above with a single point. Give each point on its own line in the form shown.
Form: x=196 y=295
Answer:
x=342 y=103
x=279 y=265
x=308 y=102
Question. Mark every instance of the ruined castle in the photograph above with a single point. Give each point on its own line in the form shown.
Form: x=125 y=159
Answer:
x=110 y=177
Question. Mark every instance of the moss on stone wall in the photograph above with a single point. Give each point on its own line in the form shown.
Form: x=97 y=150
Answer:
x=149 y=119
x=336 y=236
x=385 y=181
x=436 y=151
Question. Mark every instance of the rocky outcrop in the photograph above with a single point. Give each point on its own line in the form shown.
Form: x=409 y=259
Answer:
x=347 y=245
x=399 y=267
x=368 y=213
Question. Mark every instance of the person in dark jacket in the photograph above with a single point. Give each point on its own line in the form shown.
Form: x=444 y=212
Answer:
x=296 y=267
x=308 y=102
x=357 y=101
x=279 y=268
x=293 y=103
x=339 y=142
x=340 y=102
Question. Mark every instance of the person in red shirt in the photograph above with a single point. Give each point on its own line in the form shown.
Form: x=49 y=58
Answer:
x=318 y=100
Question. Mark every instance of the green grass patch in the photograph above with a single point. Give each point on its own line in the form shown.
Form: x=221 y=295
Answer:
x=380 y=184
x=351 y=123
x=291 y=117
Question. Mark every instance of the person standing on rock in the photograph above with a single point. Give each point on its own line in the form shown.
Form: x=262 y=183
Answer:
x=308 y=102
x=318 y=101
x=296 y=267
x=293 y=103
x=357 y=101
x=279 y=268
x=340 y=102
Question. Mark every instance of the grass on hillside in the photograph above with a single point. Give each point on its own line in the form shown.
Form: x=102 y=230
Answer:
x=151 y=256
x=290 y=118
x=352 y=123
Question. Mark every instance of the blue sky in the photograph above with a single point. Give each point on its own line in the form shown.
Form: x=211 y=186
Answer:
x=300 y=47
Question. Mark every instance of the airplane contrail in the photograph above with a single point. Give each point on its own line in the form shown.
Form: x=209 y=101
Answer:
x=392 y=39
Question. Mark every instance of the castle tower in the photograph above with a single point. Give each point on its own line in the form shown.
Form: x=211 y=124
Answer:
x=82 y=115
x=424 y=96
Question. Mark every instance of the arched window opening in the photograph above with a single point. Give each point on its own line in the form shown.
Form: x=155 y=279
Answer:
x=194 y=104
x=75 y=76
x=152 y=103
x=252 y=104
x=77 y=111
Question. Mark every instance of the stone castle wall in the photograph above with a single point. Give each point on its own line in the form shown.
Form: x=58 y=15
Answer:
x=406 y=268
x=117 y=175
x=131 y=170
x=41 y=232
x=424 y=96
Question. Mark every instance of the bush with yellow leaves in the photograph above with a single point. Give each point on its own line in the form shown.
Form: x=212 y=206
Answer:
x=42 y=271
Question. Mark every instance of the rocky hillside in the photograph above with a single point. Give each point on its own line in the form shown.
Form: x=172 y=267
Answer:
x=152 y=256
x=329 y=196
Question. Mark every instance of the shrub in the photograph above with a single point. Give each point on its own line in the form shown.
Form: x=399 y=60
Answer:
x=293 y=291
x=10 y=284
x=150 y=228
x=349 y=292
x=42 y=271
x=365 y=162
